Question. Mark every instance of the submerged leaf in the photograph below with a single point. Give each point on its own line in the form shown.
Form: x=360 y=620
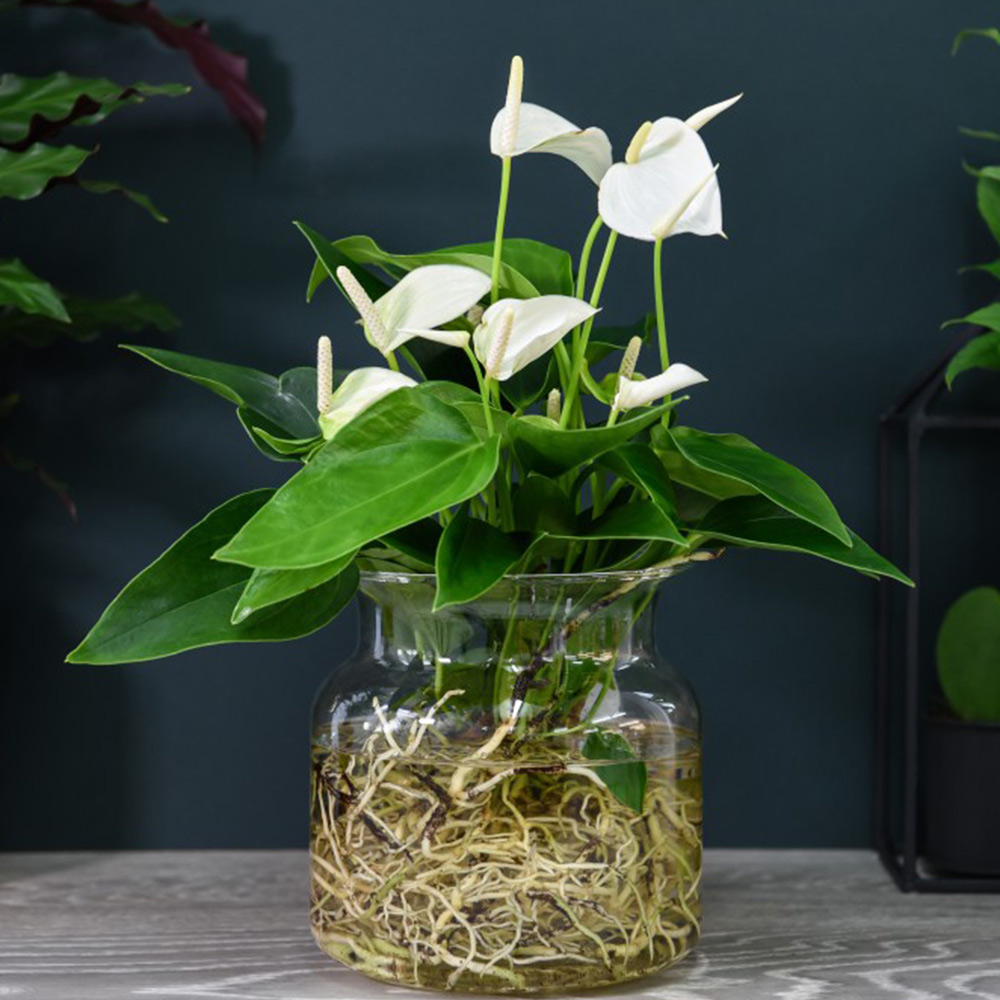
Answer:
x=627 y=782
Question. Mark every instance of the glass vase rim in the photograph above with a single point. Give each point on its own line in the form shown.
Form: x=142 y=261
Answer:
x=652 y=574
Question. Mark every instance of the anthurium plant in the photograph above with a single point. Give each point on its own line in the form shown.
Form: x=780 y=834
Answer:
x=503 y=427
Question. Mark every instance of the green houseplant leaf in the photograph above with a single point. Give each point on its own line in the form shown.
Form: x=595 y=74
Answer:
x=289 y=402
x=35 y=108
x=27 y=174
x=471 y=557
x=28 y=293
x=626 y=781
x=968 y=655
x=184 y=600
x=980 y=352
x=545 y=447
x=406 y=457
x=734 y=457
x=638 y=464
x=758 y=523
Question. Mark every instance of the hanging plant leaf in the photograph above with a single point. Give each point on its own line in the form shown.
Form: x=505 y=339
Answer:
x=627 y=782
x=223 y=71
x=756 y=522
x=289 y=401
x=403 y=459
x=185 y=599
x=27 y=174
x=27 y=292
x=33 y=109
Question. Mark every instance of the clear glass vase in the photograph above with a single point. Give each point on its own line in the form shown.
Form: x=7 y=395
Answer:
x=506 y=794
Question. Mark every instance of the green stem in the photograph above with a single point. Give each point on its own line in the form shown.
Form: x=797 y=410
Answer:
x=484 y=388
x=501 y=219
x=661 y=323
x=573 y=389
x=588 y=245
x=393 y=363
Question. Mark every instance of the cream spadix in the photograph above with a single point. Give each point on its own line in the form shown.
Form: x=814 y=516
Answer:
x=537 y=325
x=424 y=299
x=362 y=388
x=641 y=392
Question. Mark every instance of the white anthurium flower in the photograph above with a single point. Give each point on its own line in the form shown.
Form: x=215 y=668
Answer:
x=424 y=299
x=362 y=388
x=542 y=131
x=667 y=176
x=641 y=392
x=515 y=332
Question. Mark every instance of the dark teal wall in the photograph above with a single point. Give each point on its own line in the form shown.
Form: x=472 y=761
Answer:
x=847 y=212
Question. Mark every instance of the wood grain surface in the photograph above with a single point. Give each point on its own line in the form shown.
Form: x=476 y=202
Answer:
x=795 y=925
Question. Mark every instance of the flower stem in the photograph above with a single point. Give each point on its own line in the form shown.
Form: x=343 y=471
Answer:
x=501 y=219
x=661 y=323
x=581 y=276
x=572 y=390
x=484 y=388
x=393 y=363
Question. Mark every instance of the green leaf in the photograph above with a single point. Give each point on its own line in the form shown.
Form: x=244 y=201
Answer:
x=472 y=557
x=992 y=268
x=739 y=459
x=988 y=202
x=289 y=402
x=418 y=540
x=88 y=319
x=184 y=600
x=606 y=339
x=267 y=587
x=627 y=782
x=27 y=174
x=532 y=382
x=548 y=268
x=113 y=187
x=755 y=522
x=543 y=446
x=403 y=459
x=978 y=133
x=642 y=519
x=28 y=293
x=638 y=464
x=684 y=473
x=541 y=505
x=34 y=108
x=980 y=352
x=968 y=655
x=988 y=316
x=993 y=34
x=329 y=257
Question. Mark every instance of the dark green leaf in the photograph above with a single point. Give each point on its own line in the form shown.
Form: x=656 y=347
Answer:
x=184 y=600
x=686 y=474
x=968 y=655
x=777 y=480
x=472 y=557
x=329 y=257
x=544 y=447
x=113 y=187
x=631 y=520
x=637 y=463
x=267 y=587
x=405 y=458
x=988 y=202
x=755 y=522
x=542 y=506
x=27 y=174
x=627 y=782
x=289 y=401
x=548 y=268
x=418 y=540
x=531 y=383
x=980 y=352
x=28 y=293
x=606 y=339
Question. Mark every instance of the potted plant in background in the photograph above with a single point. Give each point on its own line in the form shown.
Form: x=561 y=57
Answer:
x=506 y=776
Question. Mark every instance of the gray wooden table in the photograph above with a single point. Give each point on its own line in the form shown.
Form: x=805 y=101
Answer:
x=796 y=925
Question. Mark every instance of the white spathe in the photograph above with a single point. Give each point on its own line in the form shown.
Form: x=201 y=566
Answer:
x=641 y=392
x=701 y=118
x=537 y=326
x=542 y=131
x=634 y=197
x=426 y=298
x=361 y=389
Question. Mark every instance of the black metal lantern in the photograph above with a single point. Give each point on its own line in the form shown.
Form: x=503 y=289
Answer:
x=906 y=690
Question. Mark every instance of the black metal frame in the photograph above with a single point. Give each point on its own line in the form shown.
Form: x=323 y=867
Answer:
x=905 y=425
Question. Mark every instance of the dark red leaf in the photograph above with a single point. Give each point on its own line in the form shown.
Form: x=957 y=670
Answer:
x=221 y=69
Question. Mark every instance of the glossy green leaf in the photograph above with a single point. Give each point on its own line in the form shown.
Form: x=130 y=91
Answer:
x=267 y=587
x=780 y=482
x=35 y=108
x=289 y=401
x=184 y=600
x=26 y=174
x=544 y=447
x=472 y=557
x=28 y=293
x=271 y=440
x=642 y=519
x=626 y=781
x=113 y=187
x=548 y=268
x=638 y=464
x=968 y=655
x=541 y=505
x=403 y=459
x=685 y=473
x=328 y=258
x=988 y=316
x=980 y=352
x=418 y=540
x=604 y=340
x=755 y=522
